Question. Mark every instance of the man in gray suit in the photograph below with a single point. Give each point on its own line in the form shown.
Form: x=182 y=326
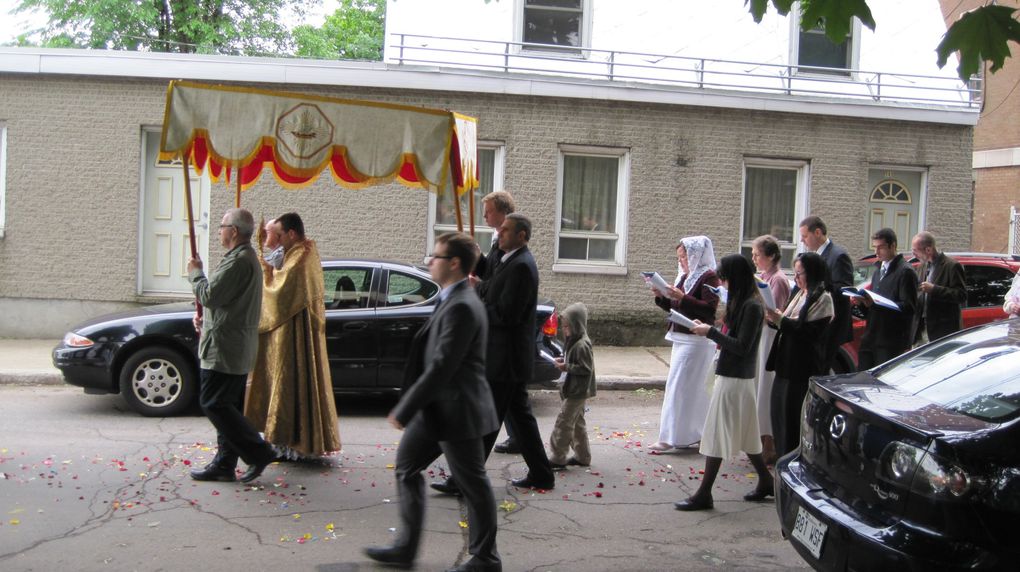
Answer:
x=814 y=235
x=232 y=298
x=943 y=290
x=447 y=408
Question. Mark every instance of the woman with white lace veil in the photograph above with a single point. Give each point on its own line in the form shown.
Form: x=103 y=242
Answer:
x=685 y=403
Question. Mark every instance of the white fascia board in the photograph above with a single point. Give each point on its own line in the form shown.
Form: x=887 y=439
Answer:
x=1009 y=157
x=380 y=75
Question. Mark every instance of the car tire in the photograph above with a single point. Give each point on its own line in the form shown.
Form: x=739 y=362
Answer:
x=158 y=382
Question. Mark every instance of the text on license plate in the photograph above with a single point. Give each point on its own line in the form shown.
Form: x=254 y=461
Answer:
x=809 y=531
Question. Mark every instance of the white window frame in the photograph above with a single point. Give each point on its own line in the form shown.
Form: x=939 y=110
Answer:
x=855 y=48
x=3 y=179
x=801 y=207
x=617 y=267
x=551 y=49
x=497 y=185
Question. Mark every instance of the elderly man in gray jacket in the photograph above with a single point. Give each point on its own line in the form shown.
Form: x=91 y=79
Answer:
x=232 y=298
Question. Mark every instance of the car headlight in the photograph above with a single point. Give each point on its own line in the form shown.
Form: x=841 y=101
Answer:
x=922 y=472
x=73 y=340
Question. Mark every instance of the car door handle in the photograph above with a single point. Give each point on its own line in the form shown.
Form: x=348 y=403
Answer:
x=355 y=325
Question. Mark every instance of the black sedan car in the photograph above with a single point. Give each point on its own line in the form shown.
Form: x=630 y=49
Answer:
x=913 y=465
x=373 y=310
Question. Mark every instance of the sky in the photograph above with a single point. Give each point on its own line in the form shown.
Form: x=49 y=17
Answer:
x=11 y=26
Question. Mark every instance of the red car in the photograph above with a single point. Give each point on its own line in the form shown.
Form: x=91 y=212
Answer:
x=988 y=276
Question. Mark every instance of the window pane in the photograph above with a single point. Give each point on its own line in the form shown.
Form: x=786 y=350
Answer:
x=574 y=248
x=589 y=193
x=770 y=199
x=604 y=250
x=347 y=288
x=483 y=234
x=404 y=289
x=445 y=213
x=987 y=285
x=575 y=4
x=552 y=27
x=816 y=49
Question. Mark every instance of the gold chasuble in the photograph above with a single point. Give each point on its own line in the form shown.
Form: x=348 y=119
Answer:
x=291 y=394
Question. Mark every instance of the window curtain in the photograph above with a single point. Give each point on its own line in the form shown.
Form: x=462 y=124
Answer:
x=769 y=202
x=589 y=193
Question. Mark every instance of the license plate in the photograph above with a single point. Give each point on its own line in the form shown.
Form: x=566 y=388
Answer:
x=810 y=532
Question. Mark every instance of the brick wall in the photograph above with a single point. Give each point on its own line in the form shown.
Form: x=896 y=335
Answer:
x=999 y=189
x=74 y=172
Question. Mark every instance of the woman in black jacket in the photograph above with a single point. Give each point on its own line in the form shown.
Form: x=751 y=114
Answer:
x=798 y=351
x=732 y=422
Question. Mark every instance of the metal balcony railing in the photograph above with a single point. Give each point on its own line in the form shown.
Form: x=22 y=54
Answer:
x=637 y=68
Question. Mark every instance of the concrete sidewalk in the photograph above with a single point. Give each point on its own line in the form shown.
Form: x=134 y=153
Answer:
x=625 y=368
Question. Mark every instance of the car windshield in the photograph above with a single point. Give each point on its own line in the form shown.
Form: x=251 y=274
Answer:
x=976 y=373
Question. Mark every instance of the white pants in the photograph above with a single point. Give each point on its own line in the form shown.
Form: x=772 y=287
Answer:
x=765 y=379
x=686 y=401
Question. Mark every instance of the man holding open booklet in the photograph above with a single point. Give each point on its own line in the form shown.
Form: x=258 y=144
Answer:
x=889 y=305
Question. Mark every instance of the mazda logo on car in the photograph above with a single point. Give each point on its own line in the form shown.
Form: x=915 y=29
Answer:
x=838 y=426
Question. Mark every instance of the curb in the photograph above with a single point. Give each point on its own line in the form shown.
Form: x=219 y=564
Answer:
x=602 y=383
x=31 y=378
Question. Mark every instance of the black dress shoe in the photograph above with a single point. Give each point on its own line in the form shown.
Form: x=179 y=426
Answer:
x=508 y=447
x=254 y=472
x=694 y=503
x=573 y=461
x=473 y=566
x=390 y=555
x=759 y=494
x=558 y=466
x=213 y=473
x=529 y=483
x=447 y=487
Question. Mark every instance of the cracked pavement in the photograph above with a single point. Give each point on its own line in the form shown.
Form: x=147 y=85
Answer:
x=86 y=484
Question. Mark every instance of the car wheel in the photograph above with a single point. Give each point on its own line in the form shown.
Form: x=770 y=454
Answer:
x=158 y=382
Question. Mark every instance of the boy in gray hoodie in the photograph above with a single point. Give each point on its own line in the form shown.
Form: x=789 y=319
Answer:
x=578 y=362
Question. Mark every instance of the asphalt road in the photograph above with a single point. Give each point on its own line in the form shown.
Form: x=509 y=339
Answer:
x=88 y=485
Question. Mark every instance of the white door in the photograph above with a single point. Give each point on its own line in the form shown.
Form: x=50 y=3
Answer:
x=165 y=247
x=894 y=201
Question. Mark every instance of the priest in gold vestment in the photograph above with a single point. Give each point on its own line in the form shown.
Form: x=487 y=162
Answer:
x=290 y=398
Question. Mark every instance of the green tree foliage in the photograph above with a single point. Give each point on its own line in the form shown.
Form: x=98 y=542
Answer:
x=247 y=27
x=354 y=32
x=983 y=34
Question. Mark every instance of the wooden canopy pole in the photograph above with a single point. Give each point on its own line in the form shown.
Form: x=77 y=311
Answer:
x=191 y=219
x=237 y=195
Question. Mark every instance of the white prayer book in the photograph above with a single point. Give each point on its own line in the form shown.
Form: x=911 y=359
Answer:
x=873 y=296
x=655 y=280
x=681 y=319
x=766 y=295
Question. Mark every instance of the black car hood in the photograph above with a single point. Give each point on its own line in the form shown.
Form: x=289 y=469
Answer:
x=865 y=390
x=144 y=312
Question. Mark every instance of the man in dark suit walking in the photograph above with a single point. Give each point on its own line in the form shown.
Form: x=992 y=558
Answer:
x=943 y=291
x=814 y=235
x=888 y=333
x=447 y=408
x=495 y=206
x=510 y=295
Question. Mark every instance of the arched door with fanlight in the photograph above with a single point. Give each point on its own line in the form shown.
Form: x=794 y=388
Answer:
x=894 y=201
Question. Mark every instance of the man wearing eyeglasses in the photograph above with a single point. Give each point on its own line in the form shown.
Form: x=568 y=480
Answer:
x=232 y=299
x=447 y=407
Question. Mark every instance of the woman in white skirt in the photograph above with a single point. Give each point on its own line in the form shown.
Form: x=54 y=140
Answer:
x=685 y=403
x=732 y=422
x=765 y=255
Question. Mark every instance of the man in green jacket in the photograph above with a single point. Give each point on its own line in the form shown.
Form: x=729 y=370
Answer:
x=232 y=301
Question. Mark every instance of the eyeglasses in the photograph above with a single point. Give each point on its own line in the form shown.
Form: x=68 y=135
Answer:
x=444 y=257
x=228 y=226
x=796 y=273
